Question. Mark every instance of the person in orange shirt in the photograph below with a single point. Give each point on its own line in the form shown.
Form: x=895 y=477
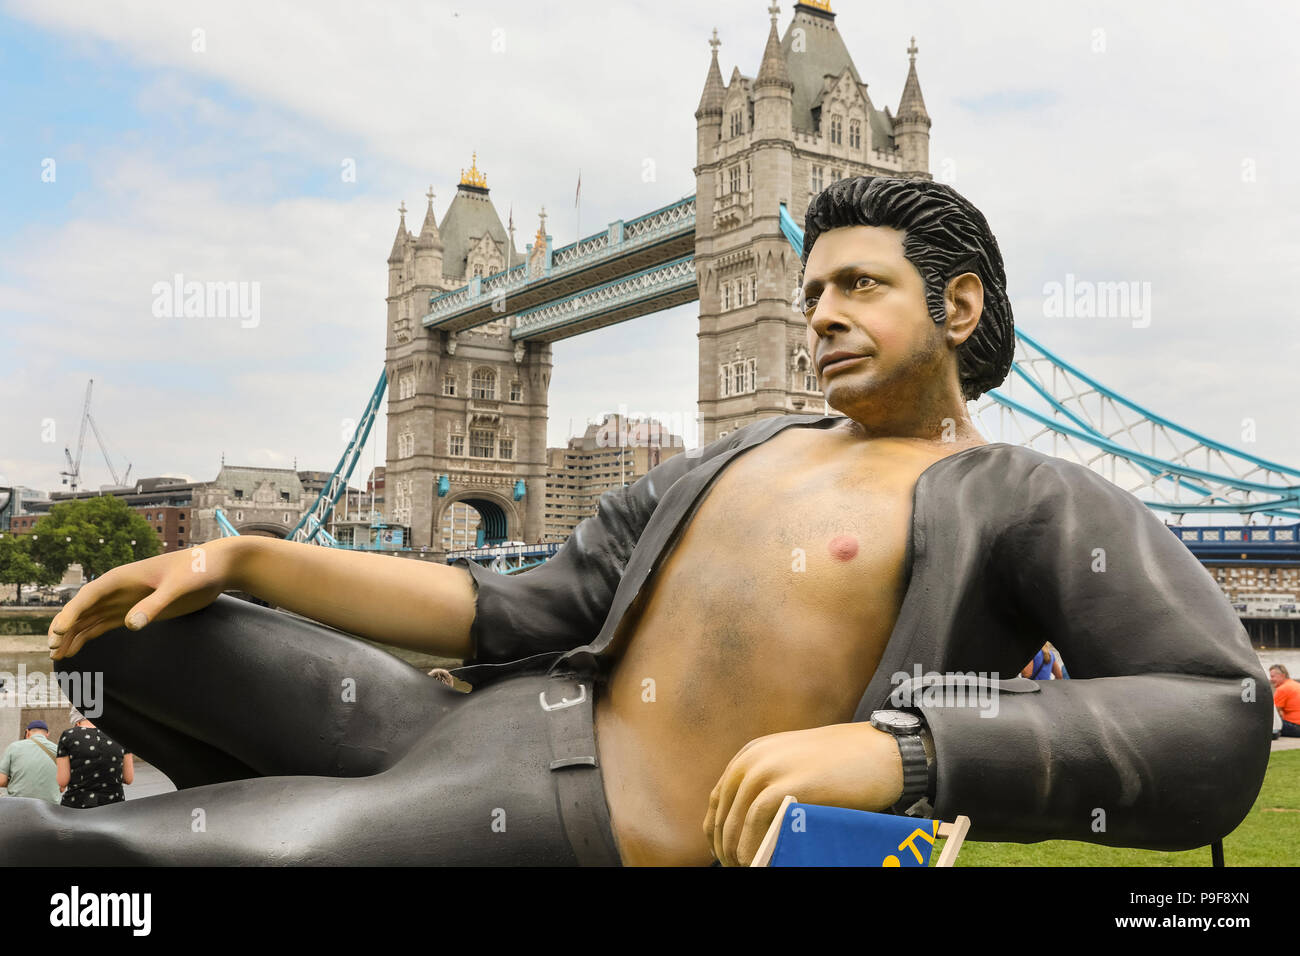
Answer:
x=1286 y=698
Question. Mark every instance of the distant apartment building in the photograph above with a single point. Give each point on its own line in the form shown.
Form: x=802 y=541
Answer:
x=613 y=453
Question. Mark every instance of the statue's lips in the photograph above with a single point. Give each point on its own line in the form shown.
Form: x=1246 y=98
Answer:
x=841 y=363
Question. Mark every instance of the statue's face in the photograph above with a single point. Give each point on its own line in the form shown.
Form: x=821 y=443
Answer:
x=862 y=296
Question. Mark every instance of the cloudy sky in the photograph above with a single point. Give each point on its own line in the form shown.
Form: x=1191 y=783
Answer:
x=1150 y=142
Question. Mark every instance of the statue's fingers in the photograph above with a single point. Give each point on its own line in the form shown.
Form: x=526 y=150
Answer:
x=88 y=630
x=757 y=822
x=148 y=609
x=737 y=815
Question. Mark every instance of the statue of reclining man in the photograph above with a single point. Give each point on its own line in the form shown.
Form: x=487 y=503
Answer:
x=715 y=637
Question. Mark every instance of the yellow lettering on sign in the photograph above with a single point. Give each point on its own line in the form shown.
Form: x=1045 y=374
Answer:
x=910 y=841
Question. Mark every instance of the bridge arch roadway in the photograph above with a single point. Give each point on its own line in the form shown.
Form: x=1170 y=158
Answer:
x=263 y=529
x=499 y=518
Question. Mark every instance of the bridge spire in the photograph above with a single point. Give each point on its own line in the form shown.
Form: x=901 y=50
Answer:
x=911 y=104
x=714 y=91
x=400 y=240
x=773 y=71
x=429 y=238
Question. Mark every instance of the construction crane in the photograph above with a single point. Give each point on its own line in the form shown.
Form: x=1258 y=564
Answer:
x=72 y=476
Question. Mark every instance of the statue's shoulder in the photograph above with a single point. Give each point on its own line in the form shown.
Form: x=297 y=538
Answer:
x=1010 y=481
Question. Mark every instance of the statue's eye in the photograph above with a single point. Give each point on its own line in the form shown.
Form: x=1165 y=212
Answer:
x=864 y=282
x=809 y=305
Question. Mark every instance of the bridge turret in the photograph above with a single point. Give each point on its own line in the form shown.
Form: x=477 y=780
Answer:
x=708 y=117
x=773 y=89
x=428 y=249
x=397 y=258
x=912 y=124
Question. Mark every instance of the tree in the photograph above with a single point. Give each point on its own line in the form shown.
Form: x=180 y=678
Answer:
x=17 y=567
x=97 y=533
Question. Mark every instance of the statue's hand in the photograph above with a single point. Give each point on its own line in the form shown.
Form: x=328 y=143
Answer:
x=841 y=765
x=135 y=594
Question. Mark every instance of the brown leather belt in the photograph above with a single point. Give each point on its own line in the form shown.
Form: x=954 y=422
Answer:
x=568 y=703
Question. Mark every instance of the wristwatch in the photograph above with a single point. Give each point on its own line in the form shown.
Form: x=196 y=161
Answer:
x=917 y=750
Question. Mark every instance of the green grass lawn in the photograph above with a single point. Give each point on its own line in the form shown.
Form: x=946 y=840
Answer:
x=1269 y=836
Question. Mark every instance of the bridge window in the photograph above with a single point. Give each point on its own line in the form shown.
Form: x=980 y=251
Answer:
x=456 y=445
x=239 y=516
x=405 y=445
x=724 y=380
x=855 y=134
x=483 y=384
x=726 y=296
x=835 y=176
x=747 y=174
x=516 y=392
x=737 y=126
x=809 y=382
x=286 y=517
x=478 y=272
x=449 y=384
x=480 y=443
x=284 y=496
x=816 y=179
x=750 y=374
x=506 y=448
x=239 y=494
x=837 y=131
x=753 y=289
x=734 y=179
x=405 y=386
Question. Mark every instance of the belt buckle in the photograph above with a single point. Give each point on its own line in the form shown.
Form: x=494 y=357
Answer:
x=564 y=701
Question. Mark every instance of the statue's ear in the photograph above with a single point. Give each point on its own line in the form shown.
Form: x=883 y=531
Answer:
x=963 y=302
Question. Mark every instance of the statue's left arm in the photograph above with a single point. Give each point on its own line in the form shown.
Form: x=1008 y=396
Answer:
x=1161 y=739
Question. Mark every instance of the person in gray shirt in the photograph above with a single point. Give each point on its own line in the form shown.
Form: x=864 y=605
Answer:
x=29 y=767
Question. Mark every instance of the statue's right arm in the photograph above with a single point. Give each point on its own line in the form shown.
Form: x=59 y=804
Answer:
x=407 y=603
x=463 y=611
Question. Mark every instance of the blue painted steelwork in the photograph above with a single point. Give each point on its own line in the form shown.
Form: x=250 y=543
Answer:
x=792 y=230
x=1258 y=542
x=1152 y=416
x=227 y=529
x=648 y=283
x=646 y=231
x=310 y=525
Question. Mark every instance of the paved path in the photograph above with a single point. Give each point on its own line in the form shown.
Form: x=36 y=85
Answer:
x=149 y=780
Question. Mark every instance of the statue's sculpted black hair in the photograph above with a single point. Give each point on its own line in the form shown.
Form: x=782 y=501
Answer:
x=944 y=236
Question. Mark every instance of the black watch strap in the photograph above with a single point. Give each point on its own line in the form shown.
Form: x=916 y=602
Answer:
x=916 y=771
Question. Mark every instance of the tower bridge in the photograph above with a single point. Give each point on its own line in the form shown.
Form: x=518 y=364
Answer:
x=471 y=319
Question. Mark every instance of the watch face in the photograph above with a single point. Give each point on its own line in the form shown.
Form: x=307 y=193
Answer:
x=897 y=721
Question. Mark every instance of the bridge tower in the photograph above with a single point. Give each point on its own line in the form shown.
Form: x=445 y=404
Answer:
x=804 y=121
x=467 y=410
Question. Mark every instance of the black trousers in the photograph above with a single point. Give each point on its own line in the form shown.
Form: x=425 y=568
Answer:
x=293 y=743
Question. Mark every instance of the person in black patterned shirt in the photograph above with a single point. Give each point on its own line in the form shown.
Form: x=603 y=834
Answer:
x=92 y=766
